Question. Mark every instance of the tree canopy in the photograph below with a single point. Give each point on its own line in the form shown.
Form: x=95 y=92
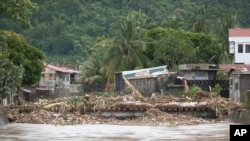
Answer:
x=21 y=53
x=173 y=47
x=18 y=10
x=188 y=31
x=20 y=62
x=67 y=29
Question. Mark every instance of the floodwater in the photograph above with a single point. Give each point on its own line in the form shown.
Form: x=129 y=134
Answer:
x=107 y=132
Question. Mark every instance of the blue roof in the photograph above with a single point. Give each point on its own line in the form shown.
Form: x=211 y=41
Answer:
x=132 y=73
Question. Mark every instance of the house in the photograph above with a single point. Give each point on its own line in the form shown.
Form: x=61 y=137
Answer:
x=239 y=80
x=239 y=45
x=198 y=71
x=203 y=76
x=146 y=81
x=59 y=77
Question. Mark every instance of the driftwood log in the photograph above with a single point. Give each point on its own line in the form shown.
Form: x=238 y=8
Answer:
x=135 y=92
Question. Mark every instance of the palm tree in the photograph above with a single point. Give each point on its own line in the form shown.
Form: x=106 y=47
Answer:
x=228 y=21
x=175 y=23
x=127 y=45
x=200 y=24
x=91 y=68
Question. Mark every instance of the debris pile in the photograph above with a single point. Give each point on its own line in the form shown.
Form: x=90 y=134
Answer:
x=73 y=110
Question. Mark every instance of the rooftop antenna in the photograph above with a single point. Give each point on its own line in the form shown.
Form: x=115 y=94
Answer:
x=211 y=58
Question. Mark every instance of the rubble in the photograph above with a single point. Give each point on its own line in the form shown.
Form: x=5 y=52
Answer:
x=72 y=110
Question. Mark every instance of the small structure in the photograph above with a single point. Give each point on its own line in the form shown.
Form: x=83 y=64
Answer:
x=198 y=71
x=239 y=78
x=8 y=100
x=239 y=45
x=59 y=77
x=146 y=81
x=203 y=76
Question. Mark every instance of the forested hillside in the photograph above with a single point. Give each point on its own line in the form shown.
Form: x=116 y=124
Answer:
x=66 y=30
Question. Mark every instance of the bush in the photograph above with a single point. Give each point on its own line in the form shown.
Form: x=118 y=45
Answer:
x=194 y=90
x=217 y=88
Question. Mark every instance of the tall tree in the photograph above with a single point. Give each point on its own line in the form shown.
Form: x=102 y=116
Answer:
x=10 y=77
x=11 y=74
x=172 y=48
x=91 y=68
x=224 y=24
x=200 y=24
x=127 y=44
x=21 y=53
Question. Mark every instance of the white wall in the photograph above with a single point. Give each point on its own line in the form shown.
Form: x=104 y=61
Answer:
x=240 y=57
x=64 y=78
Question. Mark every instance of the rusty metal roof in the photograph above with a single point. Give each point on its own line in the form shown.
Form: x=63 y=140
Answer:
x=61 y=69
x=239 y=68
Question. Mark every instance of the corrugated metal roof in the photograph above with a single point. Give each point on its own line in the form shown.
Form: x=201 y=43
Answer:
x=239 y=68
x=148 y=72
x=61 y=69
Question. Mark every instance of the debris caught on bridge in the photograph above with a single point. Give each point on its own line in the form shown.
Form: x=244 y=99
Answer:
x=165 y=110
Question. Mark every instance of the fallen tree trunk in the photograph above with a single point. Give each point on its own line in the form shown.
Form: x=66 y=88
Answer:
x=52 y=105
x=132 y=87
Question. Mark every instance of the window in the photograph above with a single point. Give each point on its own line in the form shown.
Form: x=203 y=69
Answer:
x=43 y=76
x=240 y=48
x=231 y=46
x=236 y=85
x=231 y=81
x=200 y=75
x=248 y=48
x=67 y=78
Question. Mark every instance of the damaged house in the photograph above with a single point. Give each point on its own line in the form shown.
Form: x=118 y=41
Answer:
x=54 y=78
x=146 y=81
x=239 y=80
x=203 y=76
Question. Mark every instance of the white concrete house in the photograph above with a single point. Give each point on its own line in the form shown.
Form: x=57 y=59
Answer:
x=239 y=45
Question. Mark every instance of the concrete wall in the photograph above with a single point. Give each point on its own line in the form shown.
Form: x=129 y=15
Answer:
x=146 y=86
x=238 y=85
x=241 y=116
x=234 y=88
x=244 y=85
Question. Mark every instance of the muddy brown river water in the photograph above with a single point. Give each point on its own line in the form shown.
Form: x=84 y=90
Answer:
x=107 y=132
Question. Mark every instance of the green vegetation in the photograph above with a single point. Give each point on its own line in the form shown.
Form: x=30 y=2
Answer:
x=18 y=10
x=106 y=36
x=21 y=53
x=10 y=77
x=194 y=90
x=221 y=75
x=67 y=29
x=20 y=62
x=216 y=90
